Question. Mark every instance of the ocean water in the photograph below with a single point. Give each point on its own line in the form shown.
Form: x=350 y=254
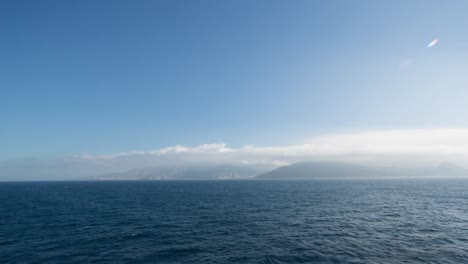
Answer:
x=308 y=221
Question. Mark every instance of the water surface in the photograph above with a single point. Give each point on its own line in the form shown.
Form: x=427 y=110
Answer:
x=300 y=221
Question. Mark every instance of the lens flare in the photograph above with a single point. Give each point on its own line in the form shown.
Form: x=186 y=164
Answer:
x=432 y=43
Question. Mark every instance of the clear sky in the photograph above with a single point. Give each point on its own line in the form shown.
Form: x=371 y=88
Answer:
x=109 y=76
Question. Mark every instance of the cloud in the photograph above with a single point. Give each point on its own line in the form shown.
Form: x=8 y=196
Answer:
x=420 y=141
x=380 y=146
x=368 y=145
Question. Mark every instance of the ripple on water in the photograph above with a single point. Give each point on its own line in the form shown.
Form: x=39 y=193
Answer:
x=352 y=221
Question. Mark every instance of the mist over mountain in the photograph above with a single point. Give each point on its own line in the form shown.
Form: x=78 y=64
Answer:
x=317 y=169
x=300 y=170
x=386 y=148
x=186 y=172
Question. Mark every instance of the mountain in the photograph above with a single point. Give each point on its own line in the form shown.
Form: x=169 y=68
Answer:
x=185 y=172
x=307 y=170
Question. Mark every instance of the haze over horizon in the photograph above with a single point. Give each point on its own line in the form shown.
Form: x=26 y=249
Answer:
x=94 y=87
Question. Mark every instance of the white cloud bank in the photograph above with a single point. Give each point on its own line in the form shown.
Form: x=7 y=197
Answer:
x=419 y=145
x=410 y=147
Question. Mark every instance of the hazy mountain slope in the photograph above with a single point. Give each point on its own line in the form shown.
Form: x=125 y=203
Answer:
x=305 y=170
x=186 y=173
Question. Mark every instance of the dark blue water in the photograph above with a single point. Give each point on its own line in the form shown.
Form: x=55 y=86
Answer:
x=353 y=221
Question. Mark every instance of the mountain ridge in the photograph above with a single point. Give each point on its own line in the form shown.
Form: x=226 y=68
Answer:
x=327 y=169
x=186 y=172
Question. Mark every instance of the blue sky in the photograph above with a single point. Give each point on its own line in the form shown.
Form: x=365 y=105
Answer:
x=111 y=76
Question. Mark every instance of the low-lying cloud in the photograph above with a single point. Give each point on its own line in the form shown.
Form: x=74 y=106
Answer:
x=422 y=145
x=402 y=147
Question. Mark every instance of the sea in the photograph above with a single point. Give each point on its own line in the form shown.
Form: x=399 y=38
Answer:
x=235 y=221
